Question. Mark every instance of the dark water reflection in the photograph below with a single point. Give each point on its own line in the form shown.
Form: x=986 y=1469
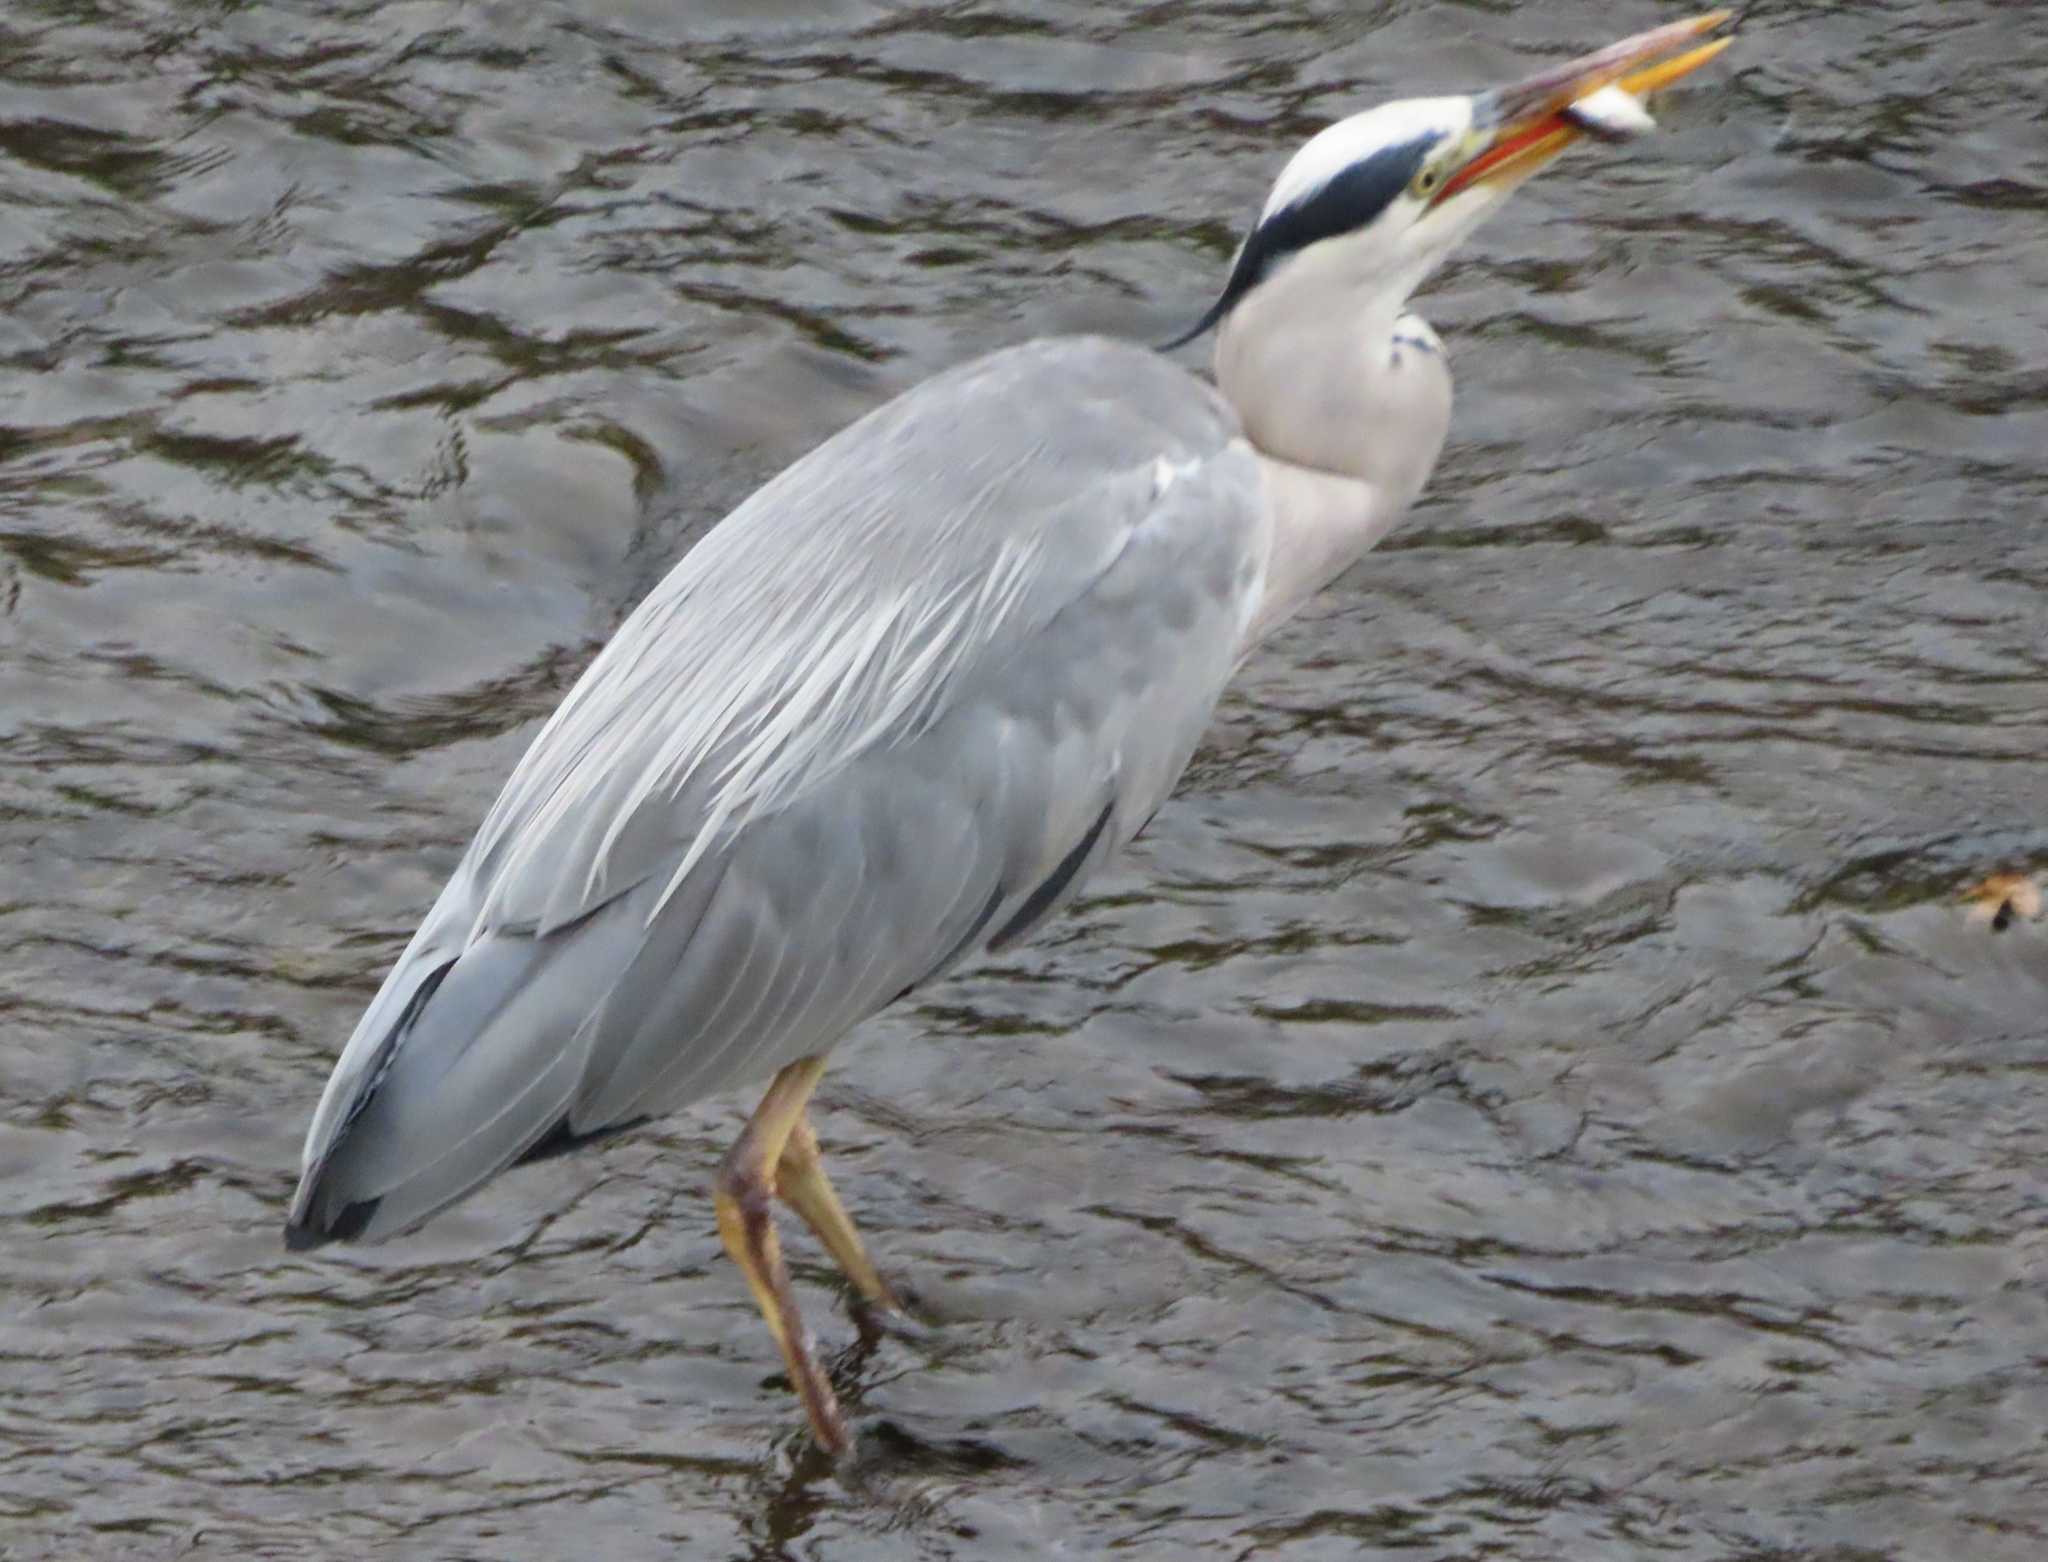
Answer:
x=1531 y=1095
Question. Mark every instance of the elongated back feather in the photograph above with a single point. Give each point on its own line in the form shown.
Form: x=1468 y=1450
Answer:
x=834 y=609
x=899 y=703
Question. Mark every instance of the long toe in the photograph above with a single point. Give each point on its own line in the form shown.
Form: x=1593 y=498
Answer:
x=881 y=1320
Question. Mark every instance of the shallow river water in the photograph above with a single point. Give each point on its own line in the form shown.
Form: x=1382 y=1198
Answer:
x=1532 y=1094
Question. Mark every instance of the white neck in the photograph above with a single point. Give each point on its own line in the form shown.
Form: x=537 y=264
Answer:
x=1322 y=525
x=1348 y=414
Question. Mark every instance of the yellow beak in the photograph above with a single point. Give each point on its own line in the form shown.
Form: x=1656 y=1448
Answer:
x=1527 y=124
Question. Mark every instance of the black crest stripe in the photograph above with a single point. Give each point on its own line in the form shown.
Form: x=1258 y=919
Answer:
x=1349 y=200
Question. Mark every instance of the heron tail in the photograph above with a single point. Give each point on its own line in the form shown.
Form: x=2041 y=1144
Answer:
x=480 y=1065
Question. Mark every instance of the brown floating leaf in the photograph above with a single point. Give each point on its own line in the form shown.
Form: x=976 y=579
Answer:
x=2002 y=898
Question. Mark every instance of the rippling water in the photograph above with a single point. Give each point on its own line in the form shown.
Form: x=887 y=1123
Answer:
x=1531 y=1095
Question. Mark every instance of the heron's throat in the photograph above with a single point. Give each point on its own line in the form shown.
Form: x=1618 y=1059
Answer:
x=1349 y=417
x=1364 y=394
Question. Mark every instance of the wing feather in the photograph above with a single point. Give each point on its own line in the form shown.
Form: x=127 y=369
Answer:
x=905 y=697
x=837 y=609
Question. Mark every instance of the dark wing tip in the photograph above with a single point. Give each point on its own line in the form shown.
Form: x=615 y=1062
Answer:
x=1039 y=903
x=303 y=1239
x=563 y=1140
x=301 y=1236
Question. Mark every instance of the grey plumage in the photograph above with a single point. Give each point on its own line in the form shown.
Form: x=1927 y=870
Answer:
x=846 y=742
x=896 y=707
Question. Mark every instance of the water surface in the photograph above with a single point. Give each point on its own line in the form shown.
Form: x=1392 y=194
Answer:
x=1530 y=1095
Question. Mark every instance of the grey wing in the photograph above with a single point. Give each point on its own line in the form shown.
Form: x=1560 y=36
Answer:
x=890 y=713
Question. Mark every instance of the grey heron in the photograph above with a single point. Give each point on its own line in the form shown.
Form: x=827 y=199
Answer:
x=894 y=709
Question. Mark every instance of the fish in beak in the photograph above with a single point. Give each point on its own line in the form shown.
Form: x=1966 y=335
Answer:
x=1520 y=128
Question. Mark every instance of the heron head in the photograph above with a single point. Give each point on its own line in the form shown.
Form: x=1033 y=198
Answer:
x=1378 y=200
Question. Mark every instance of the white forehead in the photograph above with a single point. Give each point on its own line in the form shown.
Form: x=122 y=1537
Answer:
x=1351 y=140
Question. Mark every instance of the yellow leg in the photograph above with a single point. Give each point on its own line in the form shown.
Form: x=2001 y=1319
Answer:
x=743 y=1195
x=805 y=1188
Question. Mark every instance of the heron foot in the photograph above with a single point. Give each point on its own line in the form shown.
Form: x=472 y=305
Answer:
x=892 y=1319
x=801 y=1181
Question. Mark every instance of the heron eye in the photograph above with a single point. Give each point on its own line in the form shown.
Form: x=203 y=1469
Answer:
x=1427 y=181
